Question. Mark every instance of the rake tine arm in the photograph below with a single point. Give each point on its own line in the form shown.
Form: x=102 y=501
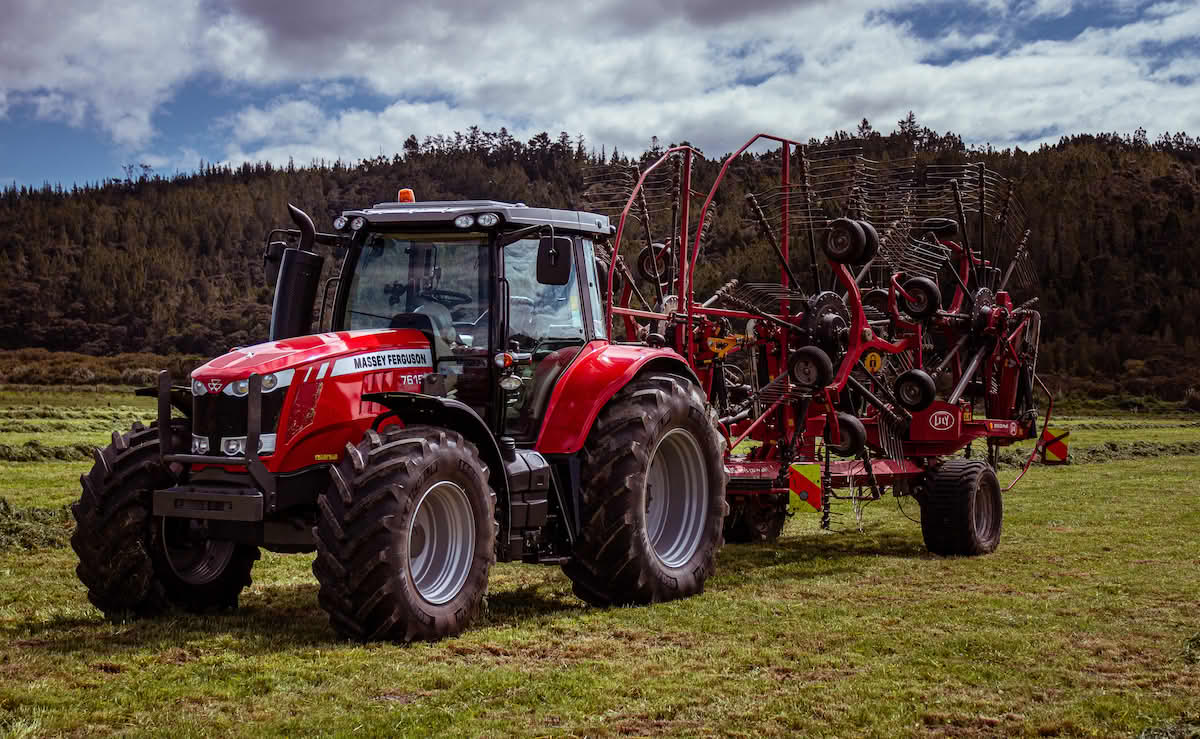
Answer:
x=766 y=229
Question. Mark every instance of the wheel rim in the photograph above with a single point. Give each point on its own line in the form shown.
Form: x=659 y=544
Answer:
x=909 y=393
x=804 y=371
x=441 y=542
x=839 y=243
x=919 y=301
x=984 y=513
x=194 y=562
x=676 y=498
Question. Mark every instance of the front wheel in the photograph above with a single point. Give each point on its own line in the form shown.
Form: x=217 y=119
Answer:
x=134 y=563
x=653 y=496
x=406 y=535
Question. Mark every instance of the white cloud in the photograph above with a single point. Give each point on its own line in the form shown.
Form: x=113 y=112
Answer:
x=114 y=62
x=617 y=71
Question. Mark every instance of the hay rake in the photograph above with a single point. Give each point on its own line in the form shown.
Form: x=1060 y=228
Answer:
x=896 y=348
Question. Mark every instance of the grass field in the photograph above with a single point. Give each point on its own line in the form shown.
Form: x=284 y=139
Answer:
x=1084 y=622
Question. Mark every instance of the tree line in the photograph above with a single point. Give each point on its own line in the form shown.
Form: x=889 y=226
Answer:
x=172 y=264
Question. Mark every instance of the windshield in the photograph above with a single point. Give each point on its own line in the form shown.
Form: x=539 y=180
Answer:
x=433 y=283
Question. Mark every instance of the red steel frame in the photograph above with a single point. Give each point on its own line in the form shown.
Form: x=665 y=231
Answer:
x=693 y=317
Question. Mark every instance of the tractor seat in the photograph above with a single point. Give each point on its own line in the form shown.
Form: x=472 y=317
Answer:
x=424 y=323
x=943 y=228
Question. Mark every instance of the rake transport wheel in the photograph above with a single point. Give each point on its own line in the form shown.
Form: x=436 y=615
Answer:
x=406 y=535
x=653 y=496
x=134 y=563
x=852 y=435
x=926 y=298
x=752 y=520
x=961 y=510
x=846 y=242
x=915 y=390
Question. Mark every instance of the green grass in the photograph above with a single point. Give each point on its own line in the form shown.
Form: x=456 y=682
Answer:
x=41 y=484
x=1084 y=622
x=1081 y=623
x=76 y=397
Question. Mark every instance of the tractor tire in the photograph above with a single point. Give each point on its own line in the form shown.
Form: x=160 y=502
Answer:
x=406 y=536
x=652 y=497
x=750 y=521
x=961 y=509
x=136 y=564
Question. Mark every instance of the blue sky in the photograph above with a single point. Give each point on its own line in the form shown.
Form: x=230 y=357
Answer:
x=86 y=88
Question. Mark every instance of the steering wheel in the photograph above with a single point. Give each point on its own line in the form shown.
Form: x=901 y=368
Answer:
x=450 y=298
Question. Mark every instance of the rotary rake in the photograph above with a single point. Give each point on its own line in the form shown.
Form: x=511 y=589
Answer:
x=900 y=331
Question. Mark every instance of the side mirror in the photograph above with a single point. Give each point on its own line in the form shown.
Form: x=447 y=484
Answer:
x=554 y=260
x=272 y=258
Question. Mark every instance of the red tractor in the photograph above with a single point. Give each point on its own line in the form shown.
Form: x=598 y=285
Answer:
x=465 y=406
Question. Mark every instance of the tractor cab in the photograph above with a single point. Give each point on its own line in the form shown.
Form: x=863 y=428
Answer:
x=505 y=294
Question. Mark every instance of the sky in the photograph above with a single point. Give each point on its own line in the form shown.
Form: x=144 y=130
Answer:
x=90 y=86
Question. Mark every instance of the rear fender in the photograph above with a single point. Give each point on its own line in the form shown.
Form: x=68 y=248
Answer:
x=599 y=372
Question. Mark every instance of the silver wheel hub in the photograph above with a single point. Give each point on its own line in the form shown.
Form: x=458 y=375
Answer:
x=441 y=542
x=676 y=498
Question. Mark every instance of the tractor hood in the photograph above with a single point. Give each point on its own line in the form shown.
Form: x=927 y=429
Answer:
x=330 y=354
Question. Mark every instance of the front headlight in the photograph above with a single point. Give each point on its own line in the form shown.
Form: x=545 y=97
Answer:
x=239 y=388
x=199 y=444
x=198 y=388
x=269 y=383
x=235 y=446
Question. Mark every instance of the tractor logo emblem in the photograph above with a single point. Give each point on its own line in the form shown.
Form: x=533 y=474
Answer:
x=215 y=385
x=941 y=420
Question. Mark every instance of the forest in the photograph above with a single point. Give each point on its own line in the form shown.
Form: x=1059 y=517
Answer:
x=171 y=265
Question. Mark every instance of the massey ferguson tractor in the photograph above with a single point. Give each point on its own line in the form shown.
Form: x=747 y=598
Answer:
x=489 y=382
x=466 y=406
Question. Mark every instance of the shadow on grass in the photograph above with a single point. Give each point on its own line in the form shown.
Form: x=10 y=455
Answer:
x=269 y=619
x=285 y=617
x=815 y=555
x=529 y=601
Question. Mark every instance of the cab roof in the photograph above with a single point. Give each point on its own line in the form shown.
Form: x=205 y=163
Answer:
x=445 y=211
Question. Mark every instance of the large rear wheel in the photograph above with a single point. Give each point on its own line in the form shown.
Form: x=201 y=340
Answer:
x=405 y=536
x=134 y=563
x=653 y=496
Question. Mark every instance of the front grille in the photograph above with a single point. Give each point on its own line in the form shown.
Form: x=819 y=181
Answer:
x=218 y=416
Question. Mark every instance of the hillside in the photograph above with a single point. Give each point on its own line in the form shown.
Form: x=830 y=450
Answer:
x=172 y=265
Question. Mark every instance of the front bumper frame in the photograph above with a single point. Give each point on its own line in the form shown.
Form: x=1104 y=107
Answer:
x=222 y=504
